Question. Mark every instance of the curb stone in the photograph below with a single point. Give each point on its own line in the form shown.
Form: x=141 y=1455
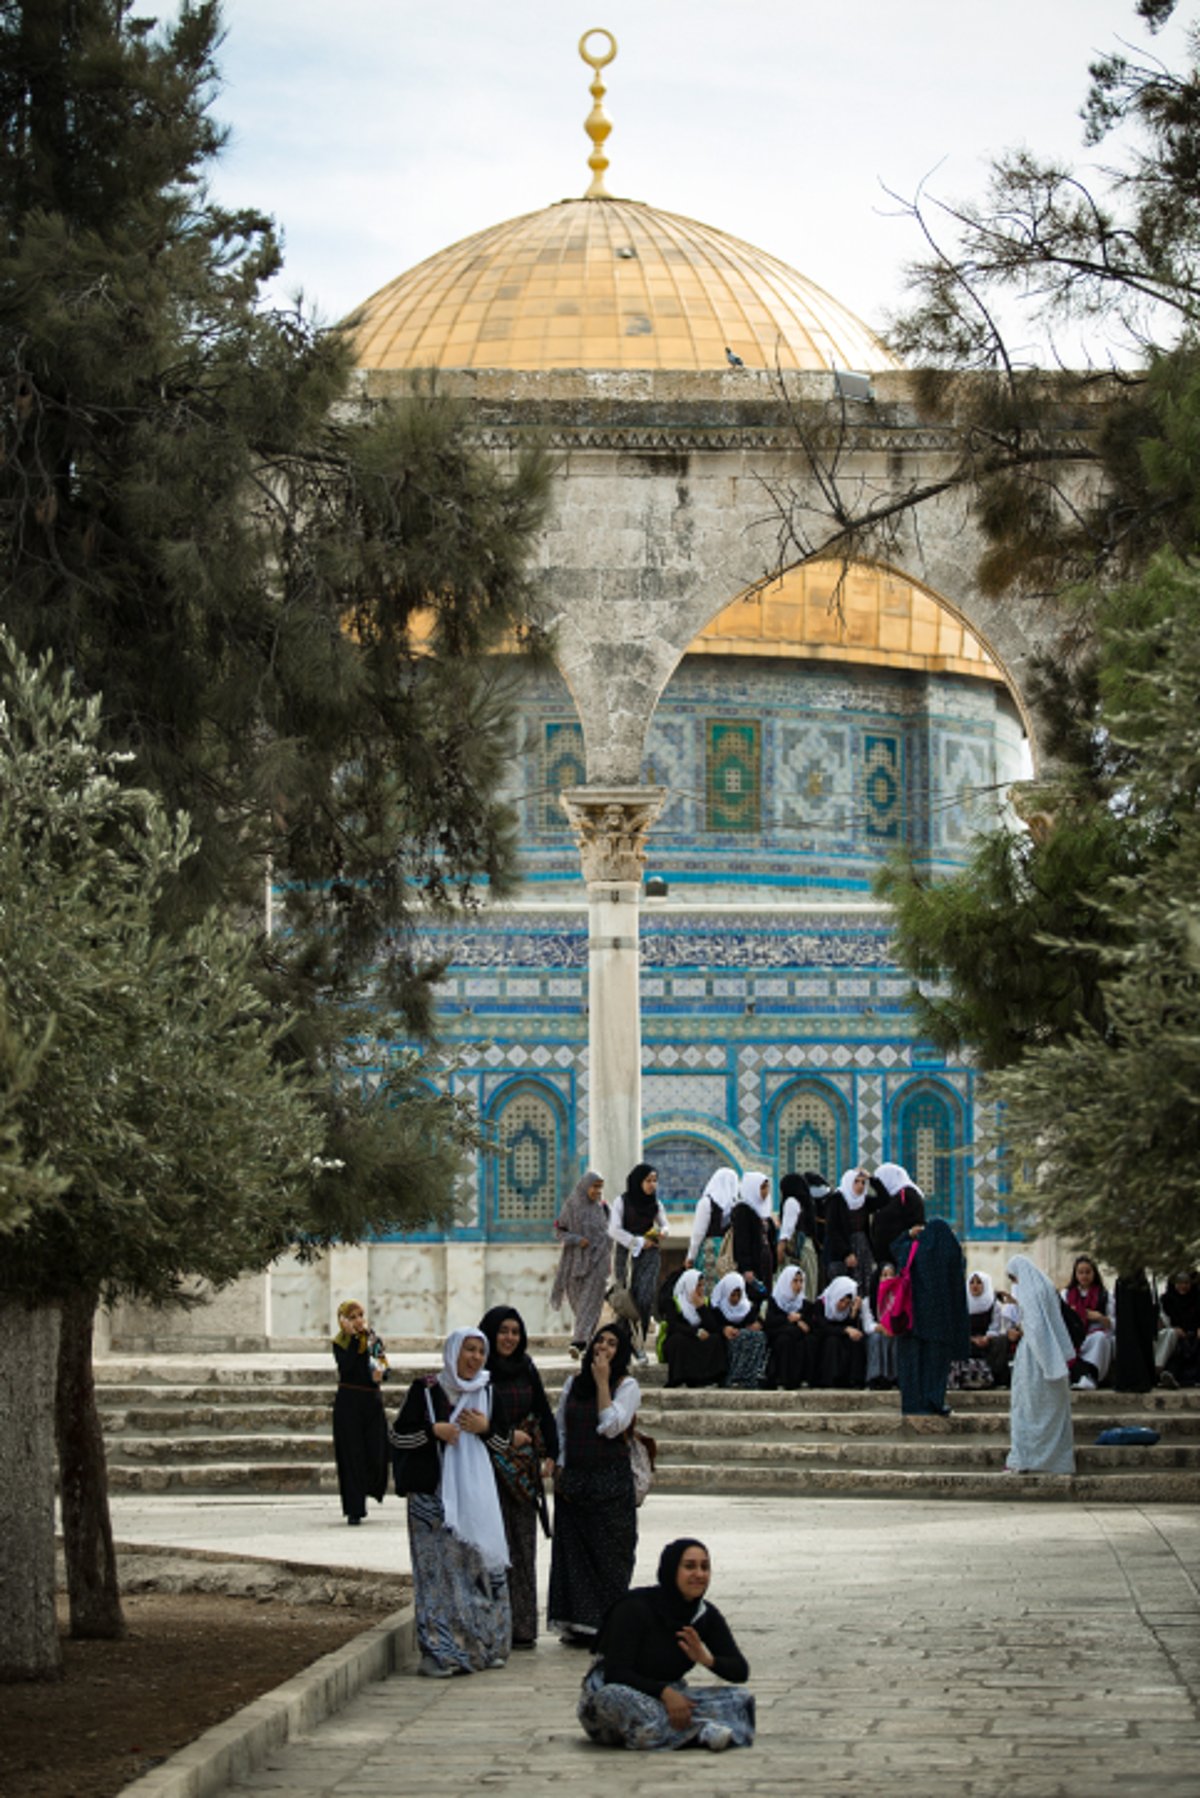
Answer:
x=230 y=1750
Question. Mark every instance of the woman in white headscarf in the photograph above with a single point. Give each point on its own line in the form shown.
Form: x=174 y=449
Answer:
x=740 y=1325
x=789 y=1331
x=843 y=1323
x=712 y=1220
x=978 y=1371
x=456 y=1532
x=1040 y=1416
x=848 y=1229
x=693 y=1343
x=755 y=1232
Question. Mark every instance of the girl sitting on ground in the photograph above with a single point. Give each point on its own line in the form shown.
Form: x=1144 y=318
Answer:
x=634 y=1694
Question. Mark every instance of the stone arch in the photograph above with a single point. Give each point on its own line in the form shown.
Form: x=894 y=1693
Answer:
x=656 y=529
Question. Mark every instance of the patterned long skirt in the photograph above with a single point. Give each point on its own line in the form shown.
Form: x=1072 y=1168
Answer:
x=586 y=1299
x=521 y=1532
x=464 y=1621
x=748 y=1353
x=594 y=1548
x=620 y=1717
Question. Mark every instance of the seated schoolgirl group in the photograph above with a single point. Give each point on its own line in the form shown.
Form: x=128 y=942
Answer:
x=793 y=1304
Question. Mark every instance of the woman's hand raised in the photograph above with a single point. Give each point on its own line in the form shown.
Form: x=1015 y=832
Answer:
x=695 y=1650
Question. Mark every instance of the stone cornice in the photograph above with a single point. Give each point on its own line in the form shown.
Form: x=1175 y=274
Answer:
x=660 y=413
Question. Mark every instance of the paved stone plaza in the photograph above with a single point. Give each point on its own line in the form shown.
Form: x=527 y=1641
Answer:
x=940 y=1649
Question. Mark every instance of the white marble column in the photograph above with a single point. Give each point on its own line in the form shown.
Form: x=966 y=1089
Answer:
x=610 y=825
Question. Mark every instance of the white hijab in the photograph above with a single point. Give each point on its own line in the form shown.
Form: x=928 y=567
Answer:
x=470 y=1505
x=837 y=1290
x=722 y=1191
x=895 y=1178
x=732 y=1283
x=986 y=1299
x=751 y=1192
x=1042 y=1326
x=685 y=1287
x=784 y=1297
x=855 y=1200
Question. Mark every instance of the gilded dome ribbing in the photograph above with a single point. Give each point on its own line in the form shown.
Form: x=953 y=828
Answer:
x=608 y=284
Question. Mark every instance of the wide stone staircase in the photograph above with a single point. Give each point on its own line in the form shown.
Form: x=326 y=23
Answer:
x=257 y=1424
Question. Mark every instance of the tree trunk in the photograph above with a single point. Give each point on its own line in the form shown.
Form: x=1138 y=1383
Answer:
x=83 y=1480
x=29 y=1647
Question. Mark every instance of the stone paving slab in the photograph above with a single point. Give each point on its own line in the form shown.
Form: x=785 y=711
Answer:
x=927 y=1651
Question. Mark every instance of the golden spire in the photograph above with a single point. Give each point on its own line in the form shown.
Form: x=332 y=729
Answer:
x=598 y=124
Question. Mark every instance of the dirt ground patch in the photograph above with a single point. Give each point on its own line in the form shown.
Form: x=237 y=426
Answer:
x=189 y=1660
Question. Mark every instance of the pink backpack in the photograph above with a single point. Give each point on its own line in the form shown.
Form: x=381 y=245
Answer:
x=895 y=1316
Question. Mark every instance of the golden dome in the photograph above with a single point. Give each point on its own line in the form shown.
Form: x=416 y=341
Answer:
x=607 y=284
x=882 y=619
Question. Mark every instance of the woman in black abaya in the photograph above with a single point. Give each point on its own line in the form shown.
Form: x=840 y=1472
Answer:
x=523 y=1445
x=940 y=1330
x=789 y=1332
x=595 y=1512
x=694 y=1348
x=634 y=1694
x=637 y=1225
x=360 y=1438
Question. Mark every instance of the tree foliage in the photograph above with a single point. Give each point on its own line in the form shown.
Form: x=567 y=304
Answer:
x=1102 y=1120
x=1064 y=959
x=283 y=596
x=178 y=1141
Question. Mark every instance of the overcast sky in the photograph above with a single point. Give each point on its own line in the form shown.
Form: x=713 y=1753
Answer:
x=379 y=131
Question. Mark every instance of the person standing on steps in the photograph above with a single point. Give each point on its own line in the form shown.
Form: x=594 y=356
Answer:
x=583 y=1267
x=711 y=1222
x=360 y=1441
x=637 y=1226
x=940 y=1331
x=1042 y=1435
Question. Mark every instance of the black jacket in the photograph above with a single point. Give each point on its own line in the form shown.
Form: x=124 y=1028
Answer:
x=416 y=1466
x=640 y=1650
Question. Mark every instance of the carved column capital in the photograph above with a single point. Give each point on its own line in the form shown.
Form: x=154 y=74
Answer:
x=610 y=825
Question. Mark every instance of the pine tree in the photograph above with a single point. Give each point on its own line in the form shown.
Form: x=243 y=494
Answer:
x=283 y=600
x=1060 y=958
x=1102 y=1122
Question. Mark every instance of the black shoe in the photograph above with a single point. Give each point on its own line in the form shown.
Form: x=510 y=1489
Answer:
x=354 y=1520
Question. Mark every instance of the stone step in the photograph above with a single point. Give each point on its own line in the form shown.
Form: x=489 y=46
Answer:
x=727 y=1424
x=229 y=1477
x=311 y=1388
x=909 y=1451
x=192 y=1419
x=190 y=1425
x=1132 y=1488
x=220 y=1397
x=802 y=1480
x=288 y=1446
